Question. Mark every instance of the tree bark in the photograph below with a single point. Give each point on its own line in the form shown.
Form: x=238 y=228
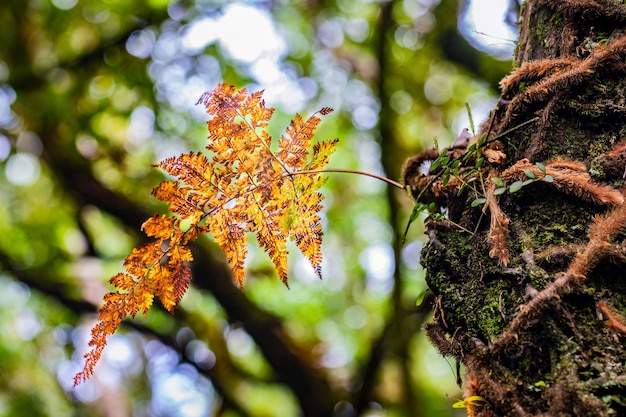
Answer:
x=531 y=301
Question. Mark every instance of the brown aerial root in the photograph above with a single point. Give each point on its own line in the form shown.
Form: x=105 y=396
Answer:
x=618 y=149
x=613 y=319
x=487 y=397
x=533 y=71
x=472 y=390
x=601 y=236
x=560 y=163
x=436 y=335
x=558 y=76
x=569 y=177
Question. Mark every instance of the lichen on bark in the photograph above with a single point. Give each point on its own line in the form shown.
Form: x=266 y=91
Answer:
x=541 y=335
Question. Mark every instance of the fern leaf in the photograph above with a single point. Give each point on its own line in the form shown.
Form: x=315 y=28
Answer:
x=321 y=154
x=191 y=168
x=304 y=222
x=116 y=306
x=122 y=281
x=109 y=319
x=231 y=238
x=176 y=196
x=159 y=227
x=294 y=143
x=266 y=193
x=181 y=280
x=244 y=188
x=264 y=220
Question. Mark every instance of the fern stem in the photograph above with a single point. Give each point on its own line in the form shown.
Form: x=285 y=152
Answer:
x=349 y=171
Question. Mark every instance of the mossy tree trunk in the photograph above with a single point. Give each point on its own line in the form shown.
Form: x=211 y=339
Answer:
x=541 y=331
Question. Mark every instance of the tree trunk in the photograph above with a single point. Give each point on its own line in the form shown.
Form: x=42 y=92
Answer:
x=530 y=289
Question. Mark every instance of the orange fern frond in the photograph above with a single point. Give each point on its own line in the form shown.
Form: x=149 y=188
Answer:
x=157 y=268
x=267 y=193
x=321 y=154
x=244 y=188
x=294 y=144
x=191 y=168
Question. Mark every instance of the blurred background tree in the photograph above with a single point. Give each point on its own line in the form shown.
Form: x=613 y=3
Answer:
x=93 y=93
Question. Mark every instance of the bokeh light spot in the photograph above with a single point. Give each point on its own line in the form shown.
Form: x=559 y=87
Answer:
x=22 y=169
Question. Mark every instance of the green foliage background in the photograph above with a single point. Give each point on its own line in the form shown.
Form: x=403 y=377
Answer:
x=93 y=93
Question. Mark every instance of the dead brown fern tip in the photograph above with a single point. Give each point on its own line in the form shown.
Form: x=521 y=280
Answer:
x=494 y=156
x=498 y=229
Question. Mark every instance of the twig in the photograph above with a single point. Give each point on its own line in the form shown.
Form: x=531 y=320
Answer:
x=348 y=171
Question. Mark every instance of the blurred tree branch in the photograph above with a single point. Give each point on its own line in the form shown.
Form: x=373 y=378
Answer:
x=74 y=173
x=59 y=292
x=402 y=324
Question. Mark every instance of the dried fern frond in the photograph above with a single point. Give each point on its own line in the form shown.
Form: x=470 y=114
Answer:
x=157 y=268
x=244 y=188
x=498 y=228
